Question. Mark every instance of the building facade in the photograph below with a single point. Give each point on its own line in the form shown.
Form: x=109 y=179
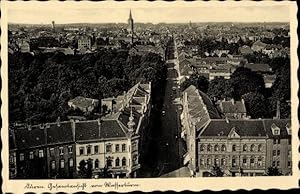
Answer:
x=238 y=146
x=84 y=43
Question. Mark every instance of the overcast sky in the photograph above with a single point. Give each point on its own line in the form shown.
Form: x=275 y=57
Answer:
x=91 y=12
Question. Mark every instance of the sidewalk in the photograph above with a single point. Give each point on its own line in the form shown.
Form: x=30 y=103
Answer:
x=181 y=172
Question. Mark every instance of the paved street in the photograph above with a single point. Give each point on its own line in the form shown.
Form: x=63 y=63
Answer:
x=166 y=148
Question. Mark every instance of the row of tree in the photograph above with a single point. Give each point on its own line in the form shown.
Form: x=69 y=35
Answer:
x=41 y=85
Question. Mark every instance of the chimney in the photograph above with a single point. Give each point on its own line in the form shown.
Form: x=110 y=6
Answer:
x=99 y=123
x=227 y=120
x=58 y=121
x=73 y=128
x=278 y=110
x=232 y=101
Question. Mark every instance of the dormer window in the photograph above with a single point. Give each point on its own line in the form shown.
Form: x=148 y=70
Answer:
x=275 y=129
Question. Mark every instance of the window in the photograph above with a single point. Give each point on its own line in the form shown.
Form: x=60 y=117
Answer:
x=53 y=165
x=209 y=148
x=30 y=155
x=134 y=160
x=71 y=162
x=273 y=163
x=289 y=141
x=96 y=149
x=278 y=152
x=208 y=161
x=223 y=161
x=252 y=148
x=276 y=132
x=289 y=153
x=252 y=162
x=41 y=153
x=123 y=147
x=289 y=164
x=11 y=159
x=117 y=162
x=109 y=163
x=259 y=162
x=223 y=148
x=88 y=150
x=274 y=141
x=274 y=152
x=202 y=147
x=233 y=147
x=21 y=156
x=61 y=151
x=278 y=163
x=70 y=149
x=216 y=148
x=124 y=161
x=259 y=148
x=108 y=148
x=245 y=148
x=278 y=141
x=217 y=161
x=244 y=161
x=117 y=147
x=81 y=150
x=233 y=162
x=51 y=151
x=201 y=161
x=96 y=163
x=62 y=163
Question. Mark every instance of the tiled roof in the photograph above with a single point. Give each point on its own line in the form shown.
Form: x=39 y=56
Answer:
x=198 y=110
x=232 y=107
x=30 y=138
x=83 y=102
x=280 y=123
x=60 y=134
x=258 y=67
x=244 y=128
x=213 y=113
x=111 y=129
x=87 y=130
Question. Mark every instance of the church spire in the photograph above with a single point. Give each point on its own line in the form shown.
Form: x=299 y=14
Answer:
x=130 y=16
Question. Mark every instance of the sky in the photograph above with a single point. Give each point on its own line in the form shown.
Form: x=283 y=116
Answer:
x=91 y=12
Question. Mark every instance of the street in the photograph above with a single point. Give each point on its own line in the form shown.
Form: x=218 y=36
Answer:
x=166 y=147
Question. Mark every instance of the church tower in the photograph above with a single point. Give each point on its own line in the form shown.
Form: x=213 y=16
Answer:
x=130 y=23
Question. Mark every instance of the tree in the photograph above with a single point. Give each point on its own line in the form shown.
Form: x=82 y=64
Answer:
x=85 y=169
x=281 y=91
x=200 y=82
x=219 y=89
x=273 y=171
x=243 y=81
x=256 y=105
x=216 y=171
x=82 y=171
